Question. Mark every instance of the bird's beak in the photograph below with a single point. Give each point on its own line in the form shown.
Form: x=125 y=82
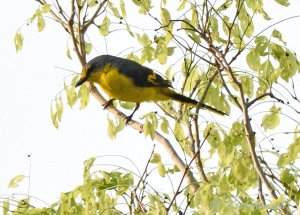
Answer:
x=81 y=81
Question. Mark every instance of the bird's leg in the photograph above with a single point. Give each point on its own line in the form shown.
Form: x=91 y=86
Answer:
x=131 y=115
x=108 y=103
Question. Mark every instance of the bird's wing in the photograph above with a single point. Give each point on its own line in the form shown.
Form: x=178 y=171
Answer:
x=141 y=76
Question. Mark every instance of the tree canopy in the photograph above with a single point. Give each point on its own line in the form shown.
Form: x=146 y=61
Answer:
x=215 y=52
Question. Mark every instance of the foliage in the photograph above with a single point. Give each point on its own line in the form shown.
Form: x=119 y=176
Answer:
x=211 y=44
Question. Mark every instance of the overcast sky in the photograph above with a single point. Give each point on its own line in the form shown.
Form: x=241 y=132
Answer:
x=32 y=78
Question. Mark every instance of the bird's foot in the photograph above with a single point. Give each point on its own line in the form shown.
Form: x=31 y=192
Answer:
x=128 y=119
x=108 y=103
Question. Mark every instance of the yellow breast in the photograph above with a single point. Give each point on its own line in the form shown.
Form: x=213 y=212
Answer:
x=118 y=86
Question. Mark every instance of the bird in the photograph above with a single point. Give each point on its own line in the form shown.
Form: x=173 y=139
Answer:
x=126 y=80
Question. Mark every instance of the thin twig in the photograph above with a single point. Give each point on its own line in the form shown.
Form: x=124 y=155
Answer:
x=262 y=96
x=94 y=16
x=140 y=181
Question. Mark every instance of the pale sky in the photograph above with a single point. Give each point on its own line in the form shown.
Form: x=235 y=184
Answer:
x=31 y=79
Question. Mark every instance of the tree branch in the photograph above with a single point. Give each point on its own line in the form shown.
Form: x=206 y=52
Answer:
x=56 y=17
x=250 y=134
x=191 y=181
x=91 y=20
x=197 y=135
x=262 y=96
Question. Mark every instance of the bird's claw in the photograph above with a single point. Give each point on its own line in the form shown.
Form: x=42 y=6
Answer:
x=108 y=103
x=128 y=119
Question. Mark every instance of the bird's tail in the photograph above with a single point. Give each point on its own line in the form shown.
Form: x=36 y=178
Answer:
x=192 y=102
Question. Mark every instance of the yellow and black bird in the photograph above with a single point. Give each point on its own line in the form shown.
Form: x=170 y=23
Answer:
x=126 y=80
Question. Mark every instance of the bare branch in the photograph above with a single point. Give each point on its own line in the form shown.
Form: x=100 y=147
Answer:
x=197 y=135
x=270 y=94
x=140 y=205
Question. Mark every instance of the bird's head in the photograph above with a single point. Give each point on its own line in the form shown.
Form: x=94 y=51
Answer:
x=83 y=77
x=90 y=69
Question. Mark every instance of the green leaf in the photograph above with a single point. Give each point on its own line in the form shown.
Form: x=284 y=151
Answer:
x=214 y=28
x=192 y=77
x=68 y=53
x=194 y=19
x=125 y=181
x=226 y=24
x=242 y=173
x=171 y=50
x=288 y=65
x=40 y=23
x=46 y=8
x=114 y=128
x=246 y=22
x=71 y=94
x=213 y=137
x=145 y=6
x=226 y=153
x=248 y=86
x=216 y=204
x=182 y=5
x=168 y=72
x=277 y=203
x=276 y=51
x=164 y=126
x=18 y=40
x=150 y=124
x=16 y=181
x=262 y=43
x=147 y=54
x=283 y=160
x=283 y=2
x=161 y=169
x=237 y=135
x=88 y=163
x=53 y=117
x=264 y=13
x=88 y=48
x=186 y=25
x=114 y=9
x=37 y=13
x=143 y=40
x=83 y=95
x=133 y=57
x=59 y=107
x=127 y=105
x=104 y=27
x=253 y=59
x=161 y=52
x=277 y=34
x=291 y=155
x=165 y=17
x=267 y=72
x=5 y=206
x=178 y=131
x=92 y=3
x=272 y=120
x=156 y=158
x=286 y=177
x=123 y=9
x=110 y=129
x=129 y=30
x=148 y=129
